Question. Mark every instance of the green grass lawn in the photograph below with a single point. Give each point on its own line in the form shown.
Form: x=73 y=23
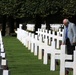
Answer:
x=22 y=62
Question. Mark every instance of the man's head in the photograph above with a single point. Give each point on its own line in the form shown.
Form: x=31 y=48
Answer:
x=65 y=22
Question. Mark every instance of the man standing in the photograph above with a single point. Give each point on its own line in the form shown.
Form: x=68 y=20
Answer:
x=69 y=37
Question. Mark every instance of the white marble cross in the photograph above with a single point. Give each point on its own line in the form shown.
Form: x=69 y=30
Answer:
x=67 y=64
x=6 y=72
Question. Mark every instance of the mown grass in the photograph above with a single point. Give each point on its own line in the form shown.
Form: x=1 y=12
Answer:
x=22 y=62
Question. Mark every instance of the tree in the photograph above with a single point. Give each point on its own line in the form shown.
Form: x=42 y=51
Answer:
x=38 y=10
x=69 y=8
x=11 y=9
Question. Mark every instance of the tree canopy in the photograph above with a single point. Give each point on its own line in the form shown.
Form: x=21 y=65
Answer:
x=37 y=10
x=69 y=7
x=26 y=8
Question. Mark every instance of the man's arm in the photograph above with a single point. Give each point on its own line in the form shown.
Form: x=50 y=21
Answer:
x=74 y=33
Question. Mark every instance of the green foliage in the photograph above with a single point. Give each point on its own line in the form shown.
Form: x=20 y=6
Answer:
x=69 y=7
x=30 y=8
x=11 y=8
x=42 y=7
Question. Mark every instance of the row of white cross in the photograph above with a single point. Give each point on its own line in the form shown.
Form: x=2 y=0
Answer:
x=31 y=27
x=3 y=60
x=42 y=41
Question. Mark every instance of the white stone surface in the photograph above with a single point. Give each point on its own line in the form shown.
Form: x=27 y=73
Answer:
x=30 y=27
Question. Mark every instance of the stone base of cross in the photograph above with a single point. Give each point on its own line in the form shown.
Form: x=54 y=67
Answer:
x=6 y=72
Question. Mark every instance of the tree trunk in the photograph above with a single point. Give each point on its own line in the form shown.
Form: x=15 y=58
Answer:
x=47 y=23
x=3 y=24
x=38 y=22
x=17 y=22
x=11 y=24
